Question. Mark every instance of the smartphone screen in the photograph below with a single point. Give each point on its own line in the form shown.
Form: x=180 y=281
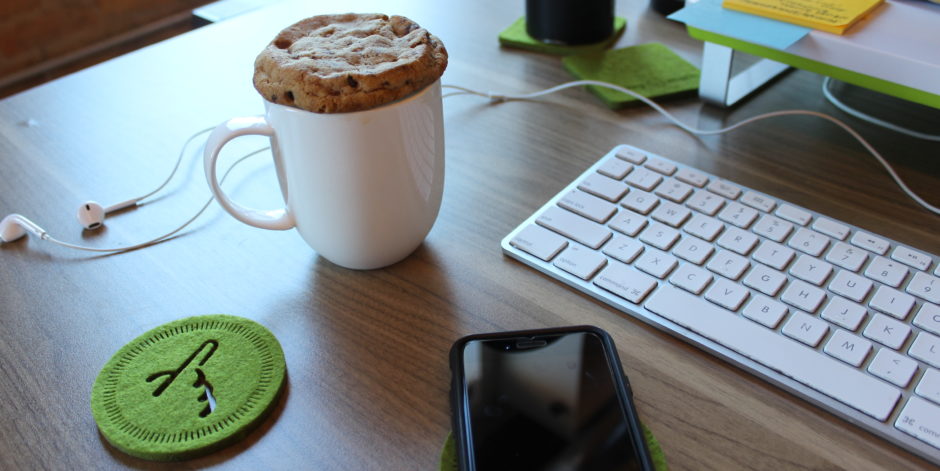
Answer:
x=547 y=402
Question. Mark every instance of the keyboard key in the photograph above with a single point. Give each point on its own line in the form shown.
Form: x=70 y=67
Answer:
x=626 y=282
x=728 y=264
x=738 y=214
x=580 y=261
x=574 y=227
x=671 y=213
x=690 y=278
x=893 y=302
x=886 y=271
x=920 y=419
x=727 y=294
x=810 y=242
x=656 y=263
x=623 y=248
x=803 y=296
x=928 y=318
x=926 y=347
x=845 y=313
x=539 y=242
x=692 y=177
x=723 y=188
x=929 y=385
x=869 y=242
x=850 y=285
x=889 y=332
x=846 y=256
x=640 y=201
x=588 y=206
x=805 y=328
x=705 y=202
x=773 y=228
x=644 y=179
x=911 y=258
x=847 y=347
x=704 y=227
x=893 y=367
x=693 y=249
x=631 y=155
x=604 y=187
x=816 y=370
x=773 y=255
x=794 y=214
x=659 y=236
x=674 y=190
x=811 y=269
x=765 y=280
x=628 y=222
x=765 y=311
x=737 y=240
x=615 y=168
x=660 y=166
x=925 y=287
x=758 y=201
x=831 y=228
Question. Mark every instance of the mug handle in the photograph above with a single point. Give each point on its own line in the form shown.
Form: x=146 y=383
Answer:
x=275 y=219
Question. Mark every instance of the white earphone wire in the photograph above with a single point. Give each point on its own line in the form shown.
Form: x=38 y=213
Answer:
x=163 y=237
x=499 y=98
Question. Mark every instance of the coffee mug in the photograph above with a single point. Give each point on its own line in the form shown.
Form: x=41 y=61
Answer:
x=362 y=188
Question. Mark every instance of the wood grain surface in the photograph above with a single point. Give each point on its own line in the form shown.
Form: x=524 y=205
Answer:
x=367 y=350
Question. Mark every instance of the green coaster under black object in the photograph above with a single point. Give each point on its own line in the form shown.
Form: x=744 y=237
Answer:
x=516 y=36
x=188 y=387
x=651 y=69
x=449 y=453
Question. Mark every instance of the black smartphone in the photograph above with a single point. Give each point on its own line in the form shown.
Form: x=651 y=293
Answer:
x=550 y=399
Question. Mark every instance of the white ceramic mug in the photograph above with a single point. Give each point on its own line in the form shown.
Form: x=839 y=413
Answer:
x=362 y=188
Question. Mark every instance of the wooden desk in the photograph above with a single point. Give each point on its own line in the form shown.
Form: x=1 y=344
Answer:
x=367 y=351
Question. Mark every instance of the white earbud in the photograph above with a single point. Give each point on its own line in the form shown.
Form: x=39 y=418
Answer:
x=91 y=214
x=14 y=226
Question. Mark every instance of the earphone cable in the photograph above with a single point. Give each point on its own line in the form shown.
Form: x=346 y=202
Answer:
x=166 y=236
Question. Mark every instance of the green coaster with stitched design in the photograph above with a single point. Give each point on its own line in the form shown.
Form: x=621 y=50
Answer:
x=188 y=387
x=652 y=70
x=516 y=36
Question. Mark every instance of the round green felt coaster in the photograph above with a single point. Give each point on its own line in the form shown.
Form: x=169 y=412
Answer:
x=188 y=387
x=449 y=453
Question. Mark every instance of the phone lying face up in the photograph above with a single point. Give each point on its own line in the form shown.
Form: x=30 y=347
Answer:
x=551 y=399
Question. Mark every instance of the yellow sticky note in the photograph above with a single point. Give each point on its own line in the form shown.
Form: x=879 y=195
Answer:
x=833 y=16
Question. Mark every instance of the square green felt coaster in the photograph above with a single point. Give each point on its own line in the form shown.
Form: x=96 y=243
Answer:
x=516 y=36
x=651 y=69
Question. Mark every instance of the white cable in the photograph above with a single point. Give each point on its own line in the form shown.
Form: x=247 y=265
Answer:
x=164 y=237
x=499 y=98
x=871 y=119
x=179 y=159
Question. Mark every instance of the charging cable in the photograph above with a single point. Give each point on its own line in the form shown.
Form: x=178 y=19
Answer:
x=496 y=98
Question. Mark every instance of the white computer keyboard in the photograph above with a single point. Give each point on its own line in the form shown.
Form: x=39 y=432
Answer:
x=846 y=319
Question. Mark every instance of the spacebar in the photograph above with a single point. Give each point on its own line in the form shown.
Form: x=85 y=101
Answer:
x=820 y=372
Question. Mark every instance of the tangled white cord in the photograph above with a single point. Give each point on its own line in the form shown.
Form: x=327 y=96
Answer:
x=499 y=98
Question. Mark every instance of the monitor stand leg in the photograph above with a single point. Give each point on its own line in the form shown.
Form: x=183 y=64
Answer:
x=719 y=87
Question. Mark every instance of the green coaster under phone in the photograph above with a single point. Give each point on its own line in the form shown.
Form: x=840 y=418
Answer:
x=516 y=36
x=188 y=387
x=651 y=69
x=449 y=453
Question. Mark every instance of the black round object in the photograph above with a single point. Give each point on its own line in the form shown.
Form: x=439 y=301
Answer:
x=570 y=22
